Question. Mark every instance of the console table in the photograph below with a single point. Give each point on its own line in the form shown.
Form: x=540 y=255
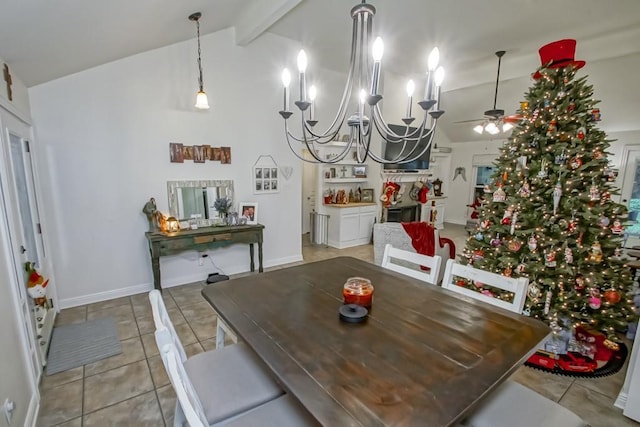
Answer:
x=162 y=244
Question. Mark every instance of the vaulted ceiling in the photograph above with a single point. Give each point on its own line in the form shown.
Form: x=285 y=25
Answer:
x=44 y=40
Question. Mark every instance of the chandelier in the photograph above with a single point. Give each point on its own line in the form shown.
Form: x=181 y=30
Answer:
x=363 y=76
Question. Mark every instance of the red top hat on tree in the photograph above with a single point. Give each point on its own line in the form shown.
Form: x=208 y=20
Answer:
x=557 y=54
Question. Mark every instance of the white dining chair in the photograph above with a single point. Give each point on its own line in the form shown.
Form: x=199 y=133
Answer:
x=191 y=406
x=230 y=380
x=409 y=263
x=510 y=403
x=516 y=285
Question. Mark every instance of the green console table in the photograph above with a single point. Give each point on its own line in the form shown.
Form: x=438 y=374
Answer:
x=162 y=244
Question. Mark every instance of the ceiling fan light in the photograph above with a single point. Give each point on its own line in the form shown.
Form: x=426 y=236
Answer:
x=507 y=127
x=492 y=128
x=478 y=129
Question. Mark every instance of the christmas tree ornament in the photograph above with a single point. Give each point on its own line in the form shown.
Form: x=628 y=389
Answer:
x=524 y=106
x=525 y=190
x=603 y=221
x=522 y=162
x=507 y=272
x=564 y=136
x=595 y=255
x=499 y=195
x=521 y=267
x=595 y=115
x=550 y=258
x=478 y=254
x=542 y=173
x=616 y=228
x=597 y=155
x=532 y=243
x=514 y=219
x=575 y=163
x=546 y=103
x=612 y=296
x=579 y=283
x=479 y=236
x=579 y=239
x=547 y=303
x=572 y=106
x=514 y=245
x=534 y=290
x=573 y=224
x=562 y=94
x=506 y=217
x=617 y=252
x=581 y=133
x=557 y=193
x=568 y=255
x=594 y=193
x=496 y=241
x=484 y=224
x=561 y=159
x=595 y=302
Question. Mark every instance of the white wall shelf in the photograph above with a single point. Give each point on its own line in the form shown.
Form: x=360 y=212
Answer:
x=344 y=180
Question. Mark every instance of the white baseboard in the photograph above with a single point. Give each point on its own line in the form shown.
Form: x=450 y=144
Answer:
x=621 y=401
x=32 y=411
x=103 y=296
x=174 y=281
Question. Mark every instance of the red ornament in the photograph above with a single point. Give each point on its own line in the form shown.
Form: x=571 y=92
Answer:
x=612 y=296
x=575 y=163
x=579 y=283
x=460 y=282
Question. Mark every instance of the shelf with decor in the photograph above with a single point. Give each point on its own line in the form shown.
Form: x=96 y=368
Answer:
x=344 y=180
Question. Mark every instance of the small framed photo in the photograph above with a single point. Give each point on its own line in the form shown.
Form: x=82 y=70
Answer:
x=360 y=171
x=367 y=195
x=249 y=210
x=265 y=179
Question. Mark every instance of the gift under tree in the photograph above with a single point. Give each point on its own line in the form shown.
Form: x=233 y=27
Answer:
x=548 y=214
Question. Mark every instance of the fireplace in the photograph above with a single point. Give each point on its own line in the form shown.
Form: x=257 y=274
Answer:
x=403 y=213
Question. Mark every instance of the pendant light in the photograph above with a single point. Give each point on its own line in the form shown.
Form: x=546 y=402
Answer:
x=201 y=97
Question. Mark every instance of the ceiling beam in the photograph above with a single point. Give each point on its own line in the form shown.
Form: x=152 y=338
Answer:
x=599 y=48
x=260 y=17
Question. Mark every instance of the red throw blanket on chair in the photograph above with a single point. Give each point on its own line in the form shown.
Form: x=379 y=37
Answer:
x=423 y=239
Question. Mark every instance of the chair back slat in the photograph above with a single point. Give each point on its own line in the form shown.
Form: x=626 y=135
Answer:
x=392 y=256
x=163 y=321
x=187 y=397
x=516 y=285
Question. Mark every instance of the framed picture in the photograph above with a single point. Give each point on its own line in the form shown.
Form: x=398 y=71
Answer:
x=367 y=195
x=249 y=210
x=265 y=179
x=360 y=171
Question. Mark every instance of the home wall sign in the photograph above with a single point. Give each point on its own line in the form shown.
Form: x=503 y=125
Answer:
x=178 y=153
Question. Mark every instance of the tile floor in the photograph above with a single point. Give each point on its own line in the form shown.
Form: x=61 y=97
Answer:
x=132 y=389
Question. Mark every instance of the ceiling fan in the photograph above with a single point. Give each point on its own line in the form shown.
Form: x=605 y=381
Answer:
x=494 y=121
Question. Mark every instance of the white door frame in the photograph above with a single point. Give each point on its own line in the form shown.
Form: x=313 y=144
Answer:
x=12 y=239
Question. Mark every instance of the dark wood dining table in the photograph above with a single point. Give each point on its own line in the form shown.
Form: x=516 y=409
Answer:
x=424 y=356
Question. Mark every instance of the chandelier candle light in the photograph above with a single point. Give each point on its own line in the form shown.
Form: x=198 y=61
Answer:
x=201 y=97
x=364 y=77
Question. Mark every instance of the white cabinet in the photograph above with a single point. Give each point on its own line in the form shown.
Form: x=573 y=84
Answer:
x=351 y=225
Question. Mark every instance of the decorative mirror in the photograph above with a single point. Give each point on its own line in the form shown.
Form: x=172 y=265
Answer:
x=188 y=198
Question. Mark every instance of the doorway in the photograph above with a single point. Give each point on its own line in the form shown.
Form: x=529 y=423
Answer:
x=24 y=237
x=630 y=193
x=309 y=192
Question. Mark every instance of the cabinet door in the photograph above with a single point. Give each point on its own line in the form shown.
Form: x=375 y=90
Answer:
x=366 y=225
x=349 y=227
